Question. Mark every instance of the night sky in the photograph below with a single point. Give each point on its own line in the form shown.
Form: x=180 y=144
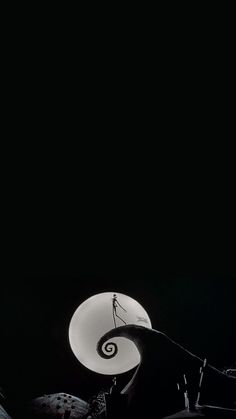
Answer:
x=197 y=310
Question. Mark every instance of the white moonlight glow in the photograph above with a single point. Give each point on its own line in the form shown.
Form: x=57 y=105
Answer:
x=93 y=318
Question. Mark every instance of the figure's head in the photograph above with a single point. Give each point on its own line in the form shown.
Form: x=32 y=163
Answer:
x=114 y=295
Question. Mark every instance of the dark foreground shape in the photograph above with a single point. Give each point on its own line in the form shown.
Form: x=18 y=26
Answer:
x=116 y=406
x=205 y=412
x=153 y=390
x=185 y=414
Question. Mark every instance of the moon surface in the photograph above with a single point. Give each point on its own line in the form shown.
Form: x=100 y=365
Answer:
x=92 y=319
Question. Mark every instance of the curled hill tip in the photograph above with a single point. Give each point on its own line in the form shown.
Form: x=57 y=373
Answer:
x=134 y=333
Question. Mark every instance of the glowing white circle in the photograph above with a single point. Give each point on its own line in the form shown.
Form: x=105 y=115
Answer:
x=93 y=318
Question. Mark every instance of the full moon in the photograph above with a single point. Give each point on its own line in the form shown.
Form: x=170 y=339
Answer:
x=96 y=316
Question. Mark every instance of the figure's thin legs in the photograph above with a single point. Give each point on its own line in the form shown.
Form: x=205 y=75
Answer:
x=120 y=319
x=114 y=318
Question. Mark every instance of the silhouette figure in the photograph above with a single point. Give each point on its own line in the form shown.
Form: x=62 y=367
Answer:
x=115 y=304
